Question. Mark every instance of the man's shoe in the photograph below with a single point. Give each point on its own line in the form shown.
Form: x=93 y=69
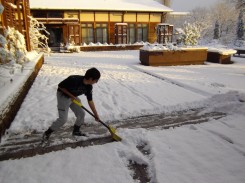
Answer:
x=78 y=133
x=46 y=135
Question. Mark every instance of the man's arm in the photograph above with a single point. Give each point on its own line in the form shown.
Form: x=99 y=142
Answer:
x=69 y=94
x=92 y=107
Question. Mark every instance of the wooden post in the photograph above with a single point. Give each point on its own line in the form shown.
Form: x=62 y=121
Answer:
x=26 y=13
x=19 y=8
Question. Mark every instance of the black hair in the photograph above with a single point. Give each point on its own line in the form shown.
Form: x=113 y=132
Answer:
x=92 y=73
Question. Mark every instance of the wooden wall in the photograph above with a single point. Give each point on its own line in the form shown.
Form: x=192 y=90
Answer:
x=110 y=18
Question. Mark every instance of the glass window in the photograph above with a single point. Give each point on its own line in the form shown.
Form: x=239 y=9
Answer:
x=55 y=14
x=131 y=33
x=39 y=14
x=101 y=33
x=87 y=33
x=142 y=32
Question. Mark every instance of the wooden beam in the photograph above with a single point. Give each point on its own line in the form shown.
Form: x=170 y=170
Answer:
x=19 y=16
x=26 y=13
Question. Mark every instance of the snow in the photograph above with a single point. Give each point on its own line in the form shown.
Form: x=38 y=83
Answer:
x=113 y=5
x=210 y=152
x=170 y=46
x=1 y=9
x=222 y=51
x=12 y=78
x=239 y=48
x=121 y=23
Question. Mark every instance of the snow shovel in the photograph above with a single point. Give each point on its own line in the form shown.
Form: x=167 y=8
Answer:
x=111 y=129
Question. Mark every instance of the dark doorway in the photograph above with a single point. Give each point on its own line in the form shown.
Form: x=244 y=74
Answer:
x=55 y=36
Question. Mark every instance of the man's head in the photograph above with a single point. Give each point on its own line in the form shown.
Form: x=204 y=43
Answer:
x=92 y=74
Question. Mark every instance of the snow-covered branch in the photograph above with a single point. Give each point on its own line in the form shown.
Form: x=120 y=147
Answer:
x=39 y=41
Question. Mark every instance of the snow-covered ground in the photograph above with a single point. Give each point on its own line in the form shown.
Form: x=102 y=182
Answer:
x=212 y=152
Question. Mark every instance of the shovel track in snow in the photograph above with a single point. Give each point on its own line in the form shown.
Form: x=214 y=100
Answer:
x=141 y=171
x=17 y=146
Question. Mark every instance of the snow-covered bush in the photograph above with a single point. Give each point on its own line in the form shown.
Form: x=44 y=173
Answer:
x=4 y=52
x=71 y=47
x=191 y=34
x=1 y=8
x=39 y=41
x=13 y=47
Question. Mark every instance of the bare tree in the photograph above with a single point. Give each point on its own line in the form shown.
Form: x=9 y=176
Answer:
x=165 y=2
x=226 y=15
x=201 y=17
x=240 y=4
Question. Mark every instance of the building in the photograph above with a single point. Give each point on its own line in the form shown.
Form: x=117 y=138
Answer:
x=104 y=21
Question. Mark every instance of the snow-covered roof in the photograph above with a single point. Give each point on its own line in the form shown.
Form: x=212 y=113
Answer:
x=179 y=13
x=112 y=5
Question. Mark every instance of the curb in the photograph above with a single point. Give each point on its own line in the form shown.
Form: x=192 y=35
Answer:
x=13 y=107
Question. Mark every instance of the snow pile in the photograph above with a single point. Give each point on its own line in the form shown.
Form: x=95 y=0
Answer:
x=72 y=47
x=159 y=47
x=111 y=44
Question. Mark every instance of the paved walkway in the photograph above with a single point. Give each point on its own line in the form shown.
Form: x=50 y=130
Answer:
x=28 y=145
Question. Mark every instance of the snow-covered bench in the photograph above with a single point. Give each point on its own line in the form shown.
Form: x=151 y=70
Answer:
x=220 y=55
x=240 y=50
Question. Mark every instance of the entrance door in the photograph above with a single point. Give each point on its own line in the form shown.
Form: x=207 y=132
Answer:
x=74 y=34
x=121 y=30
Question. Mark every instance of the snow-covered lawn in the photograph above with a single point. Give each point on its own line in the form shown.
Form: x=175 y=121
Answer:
x=212 y=152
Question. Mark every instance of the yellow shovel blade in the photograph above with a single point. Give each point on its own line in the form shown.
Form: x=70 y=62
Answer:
x=116 y=137
x=113 y=134
x=111 y=129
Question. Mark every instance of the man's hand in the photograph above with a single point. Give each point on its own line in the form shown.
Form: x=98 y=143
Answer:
x=97 y=118
x=92 y=107
x=78 y=99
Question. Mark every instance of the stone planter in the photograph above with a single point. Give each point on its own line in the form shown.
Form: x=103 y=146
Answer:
x=184 y=56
